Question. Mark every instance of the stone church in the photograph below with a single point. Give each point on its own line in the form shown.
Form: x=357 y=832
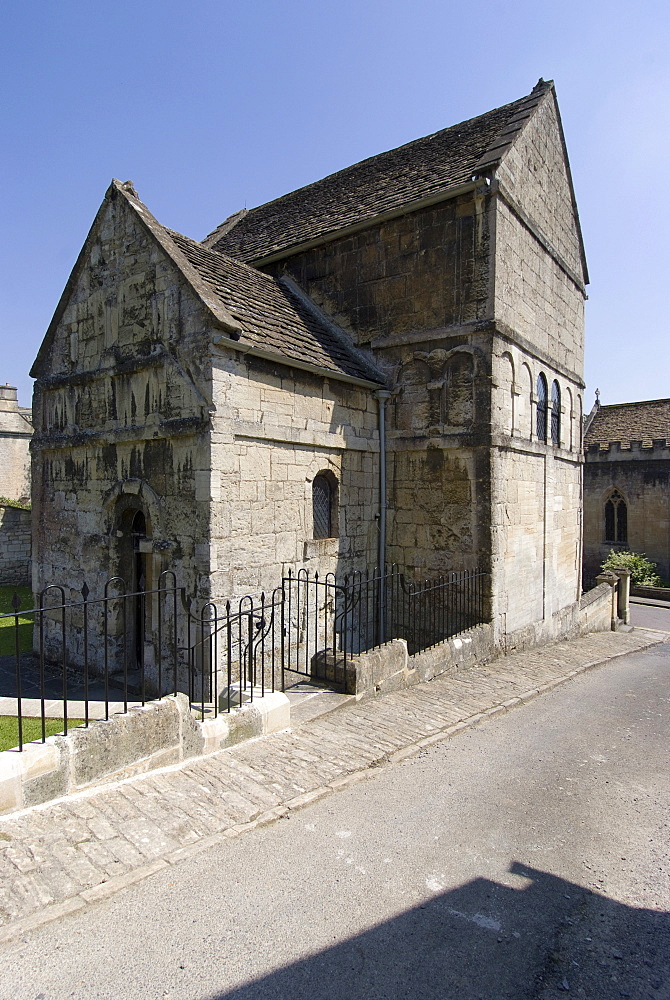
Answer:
x=385 y=365
x=627 y=483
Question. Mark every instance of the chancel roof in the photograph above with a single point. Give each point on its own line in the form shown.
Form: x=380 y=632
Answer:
x=625 y=422
x=418 y=171
x=272 y=316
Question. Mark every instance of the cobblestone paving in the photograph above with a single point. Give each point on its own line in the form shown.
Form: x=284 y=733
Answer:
x=58 y=857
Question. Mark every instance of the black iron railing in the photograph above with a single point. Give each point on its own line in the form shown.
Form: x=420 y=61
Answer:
x=330 y=621
x=234 y=651
x=83 y=658
x=70 y=657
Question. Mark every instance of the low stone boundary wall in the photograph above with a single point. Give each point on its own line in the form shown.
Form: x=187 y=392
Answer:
x=389 y=667
x=595 y=609
x=146 y=737
x=15 y=546
x=166 y=732
x=652 y=593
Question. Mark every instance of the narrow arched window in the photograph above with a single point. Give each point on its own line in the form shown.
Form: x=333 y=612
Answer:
x=541 y=415
x=616 y=519
x=555 y=413
x=324 y=496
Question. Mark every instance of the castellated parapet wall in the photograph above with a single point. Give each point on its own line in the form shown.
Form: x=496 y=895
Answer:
x=630 y=451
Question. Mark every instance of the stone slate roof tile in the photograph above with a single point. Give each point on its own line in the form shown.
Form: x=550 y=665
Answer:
x=422 y=169
x=272 y=317
x=625 y=422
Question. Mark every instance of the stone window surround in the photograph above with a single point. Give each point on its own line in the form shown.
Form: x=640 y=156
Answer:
x=618 y=518
x=562 y=410
x=325 y=489
x=568 y=391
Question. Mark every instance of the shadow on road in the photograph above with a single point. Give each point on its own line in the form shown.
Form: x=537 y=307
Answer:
x=537 y=939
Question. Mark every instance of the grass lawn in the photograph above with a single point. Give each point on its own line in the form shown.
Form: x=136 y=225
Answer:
x=32 y=729
x=7 y=639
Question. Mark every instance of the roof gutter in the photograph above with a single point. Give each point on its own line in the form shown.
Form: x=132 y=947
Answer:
x=373 y=220
x=222 y=341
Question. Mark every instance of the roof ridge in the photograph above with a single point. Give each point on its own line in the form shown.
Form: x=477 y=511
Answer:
x=253 y=272
x=635 y=402
x=526 y=103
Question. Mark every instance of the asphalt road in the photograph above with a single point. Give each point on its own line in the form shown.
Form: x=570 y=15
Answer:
x=526 y=858
x=650 y=616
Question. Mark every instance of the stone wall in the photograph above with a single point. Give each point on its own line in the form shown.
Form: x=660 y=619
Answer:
x=122 y=419
x=535 y=173
x=15 y=433
x=537 y=495
x=425 y=270
x=536 y=519
x=275 y=428
x=155 y=735
x=538 y=303
x=15 y=546
x=415 y=290
x=642 y=476
x=539 y=273
x=390 y=668
x=535 y=300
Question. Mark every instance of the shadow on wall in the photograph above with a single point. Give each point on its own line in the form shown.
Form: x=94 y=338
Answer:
x=536 y=940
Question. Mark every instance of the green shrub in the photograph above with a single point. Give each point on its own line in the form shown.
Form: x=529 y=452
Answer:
x=642 y=570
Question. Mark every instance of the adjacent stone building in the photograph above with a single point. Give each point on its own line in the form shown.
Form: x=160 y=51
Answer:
x=627 y=483
x=16 y=430
x=217 y=407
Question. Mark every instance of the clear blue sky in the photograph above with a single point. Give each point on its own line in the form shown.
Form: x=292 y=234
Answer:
x=209 y=106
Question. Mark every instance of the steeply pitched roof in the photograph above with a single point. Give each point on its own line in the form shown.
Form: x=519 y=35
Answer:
x=420 y=170
x=254 y=309
x=626 y=422
x=272 y=317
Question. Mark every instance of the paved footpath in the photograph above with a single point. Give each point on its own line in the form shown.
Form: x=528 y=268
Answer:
x=61 y=856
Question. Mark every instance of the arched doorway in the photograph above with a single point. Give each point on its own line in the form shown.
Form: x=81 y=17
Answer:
x=134 y=568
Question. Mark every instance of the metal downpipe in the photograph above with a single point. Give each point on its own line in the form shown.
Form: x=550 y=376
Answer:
x=382 y=396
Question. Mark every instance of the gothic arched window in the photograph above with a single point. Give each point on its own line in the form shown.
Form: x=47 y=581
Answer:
x=616 y=519
x=555 y=413
x=324 y=505
x=541 y=415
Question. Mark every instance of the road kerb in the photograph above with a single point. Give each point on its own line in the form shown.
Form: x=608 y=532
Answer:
x=300 y=801
x=114 y=885
x=109 y=888
x=54 y=911
x=337 y=784
x=182 y=853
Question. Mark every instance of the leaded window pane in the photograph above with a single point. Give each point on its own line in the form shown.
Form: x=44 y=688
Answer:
x=541 y=416
x=555 y=413
x=322 y=495
x=616 y=519
x=610 y=534
x=622 y=522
